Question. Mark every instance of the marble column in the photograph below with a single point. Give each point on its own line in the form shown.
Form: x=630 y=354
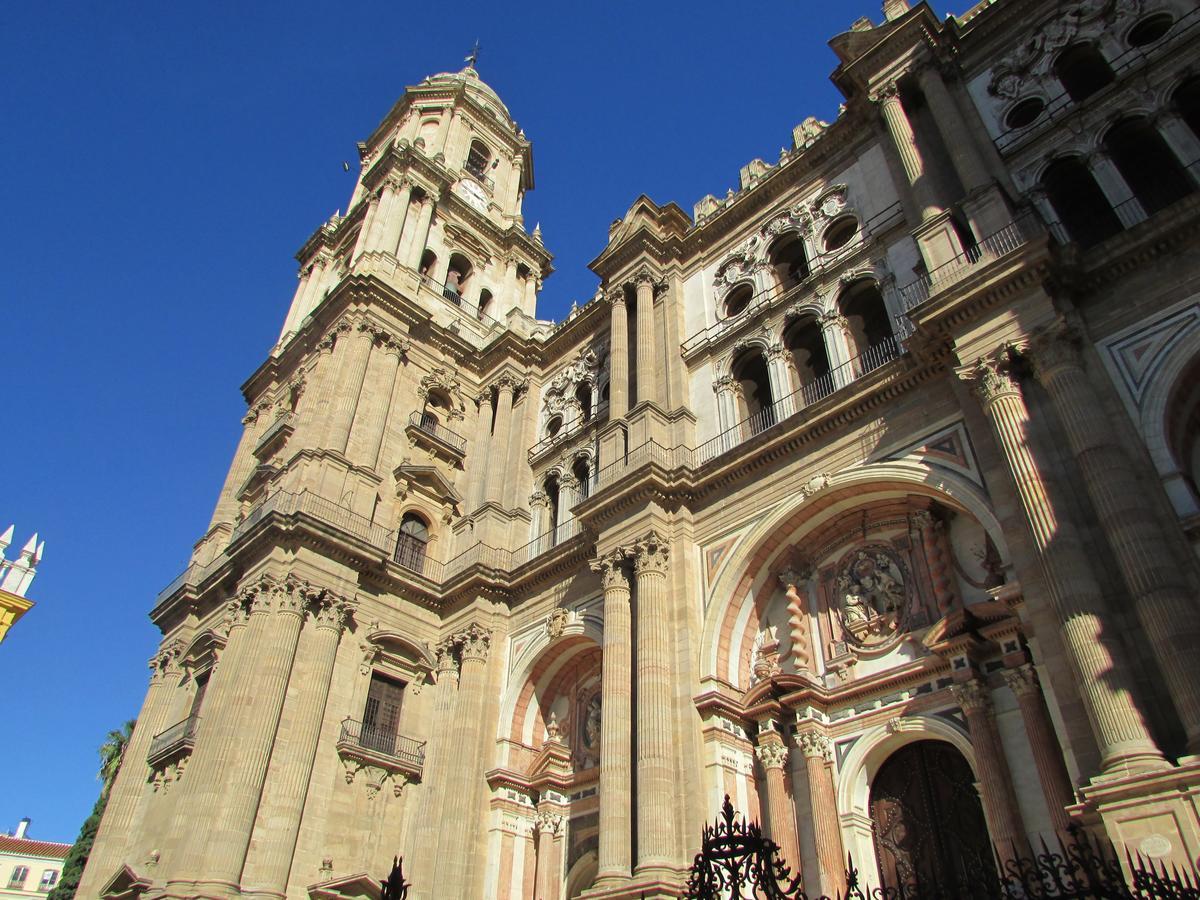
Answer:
x=648 y=375
x=464 y=781
x=772 y=756
x=655 y=756
x=276 y=615
x=1127 y=207
x=1047 y=754
x=932 y=536
x=991 y=768
x=1158 y=584
x=618 y=358
x=116 y=835
x=827 y=831
x=397 y=191
x=501 y=437
x=548 y=826
x=1095 y=654
x=352 y=372
x=894 y=116
x=420 y=236
x=616 y=686
x=795 y=586
x=286 y=790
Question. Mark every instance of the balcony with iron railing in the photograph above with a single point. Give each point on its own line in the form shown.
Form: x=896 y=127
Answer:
x=776 y=294
x=428 y=425
x=570 y=431
x=379 y=746
x=480 y=174
x=173 y=742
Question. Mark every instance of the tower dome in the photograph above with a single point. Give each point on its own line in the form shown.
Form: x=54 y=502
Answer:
x=476 y=87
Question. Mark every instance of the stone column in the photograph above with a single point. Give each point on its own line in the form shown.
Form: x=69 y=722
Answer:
x=727 y=415
x=799 y=631
x=647 y=357
x=315 y=292
x=480 y=451
x=438 y=762
x=1096 y=656
x=657 y=786
x=353 y=370
x=888 y=98
x=964 y=156
x=991 y=768
x=1041 y=201
x=1047 y=755
x=323 y=371
x=294 y=311
x=568 y=496
x=837 y=348
x=287 y=790
x=1128 y=209
x=773 y=755
x=240 y=469
x=932 y=536
x=369 y=428
x=781 y=380
x=276 y=615
x=421 y=232
x=501 y=436
x=1163 y=601
x=1179 y=137
x=539 y=521
x=116 y=835
x=362 y=243
x=616 y=685
x=548 y=826
x=827 y=831
x=397 y=192
x=456 y=842
x=618 y=353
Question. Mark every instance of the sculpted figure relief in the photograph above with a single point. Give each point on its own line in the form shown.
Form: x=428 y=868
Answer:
x=872 y=594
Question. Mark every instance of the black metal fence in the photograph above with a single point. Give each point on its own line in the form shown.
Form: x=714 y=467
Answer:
x=738 y=862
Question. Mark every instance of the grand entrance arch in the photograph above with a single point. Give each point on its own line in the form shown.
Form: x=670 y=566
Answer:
x=928 y=820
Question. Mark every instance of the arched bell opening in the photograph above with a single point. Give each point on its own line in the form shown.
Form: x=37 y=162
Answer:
x=1082 y=70
x=1147 y=164
x=756 y=404
x=866 y=314
x=583 y=395
x=582 y=472
x=788 y=260
x=805 y=341
x=428 y=261
x=485 y=303
x=1079 y=202
x=553 y=496
x=458 y=276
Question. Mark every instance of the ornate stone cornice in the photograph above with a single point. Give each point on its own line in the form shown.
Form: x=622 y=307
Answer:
x=611 y=569
x=650 y=554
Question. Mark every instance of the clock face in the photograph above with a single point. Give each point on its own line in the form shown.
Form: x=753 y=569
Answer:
x=473 y=194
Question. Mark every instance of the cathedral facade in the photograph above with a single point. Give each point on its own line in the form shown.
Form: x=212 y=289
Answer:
x=865 y=495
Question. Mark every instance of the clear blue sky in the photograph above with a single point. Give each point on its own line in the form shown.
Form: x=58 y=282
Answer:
x=162 y=162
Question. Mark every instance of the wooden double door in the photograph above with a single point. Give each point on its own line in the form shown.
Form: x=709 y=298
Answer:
x=929 y=826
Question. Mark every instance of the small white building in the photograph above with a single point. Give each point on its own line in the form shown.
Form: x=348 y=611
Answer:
x=28 y=867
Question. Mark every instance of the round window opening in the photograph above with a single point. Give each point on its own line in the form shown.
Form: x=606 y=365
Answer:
x=736 y=303
x=840 y=233
x=1025 y=113
x=553 y=426
x=1150 y=29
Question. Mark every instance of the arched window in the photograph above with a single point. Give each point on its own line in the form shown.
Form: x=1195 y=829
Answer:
x=865 y=312
x=737 y=301
x=1025 y=113
x=485 y=301
x=428 y=261
x=437 y=408
x=551 y=489
x=804 y=340
x=839 y=233
x=758 y=405
x=583 y=475
x=789 y=261
x=478 y=159
x=458 y=273
x=1082 y=70
x=1081 y=206
x=1146 y=163
x=583 y=394
x=554 y=426
x=1187 y=101
x=412 y=542
x=1149 y=30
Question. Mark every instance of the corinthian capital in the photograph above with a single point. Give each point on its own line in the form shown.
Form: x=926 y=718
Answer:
x=166 y=660
x=611 y=569
x=972 y=696
x=331 y=611
x=884 y=92
x=650 y=554
x=447 y=662
x=992 y=379
x=1054 y=350
x=814 y=744
x=474 y=642
x=615 y=293
x=1022 y=680
x=772 y=755
x=547 y=823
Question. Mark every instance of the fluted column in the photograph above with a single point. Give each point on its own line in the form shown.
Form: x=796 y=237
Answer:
x=1184 y=143
x=837 y=347
x=456 y=844
x=1162 y=599
x=655 y=736
x=315 y=292
x=353 y=370
x=294 y=311
x=323 y=373
x=239 y=470
x=618 y=353
x=647 y=356
x=1096 y=657
x=933 y=540
x=287 y=790
x=371 y=420
x=888 y=98
x=991 y=768
x=397 y=191
x=1120 y=196
x=420 y=236
x=781 y=380
x=827 y=831
x=480 y=452
x=548 y=826
x=616 y=690
x=727 y=415
x=1047 y=755
x=539 y=521
x=773 y=755
x=964 y=155
x=568 y=496
x=276 y=615
x=501 y=436
x=438 y=762
x=362 y=243
x=117 y=831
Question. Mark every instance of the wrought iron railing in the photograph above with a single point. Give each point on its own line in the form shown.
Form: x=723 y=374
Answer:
x=776 y=294
x=438 y=430
x=382 y=740
x=1009 y=238
x=179 y=735
x=570 y=430
x=480 y=175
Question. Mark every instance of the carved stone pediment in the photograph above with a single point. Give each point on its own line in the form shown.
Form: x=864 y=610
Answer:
x=427 y=481
x=126 y=884
x=359 y=886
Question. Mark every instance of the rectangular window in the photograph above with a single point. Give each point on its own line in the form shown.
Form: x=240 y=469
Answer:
x=381 y=717
x=19 y=874
x=198 y=697
x=49 y=879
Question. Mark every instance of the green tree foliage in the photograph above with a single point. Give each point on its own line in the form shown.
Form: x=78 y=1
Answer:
x=112 y=751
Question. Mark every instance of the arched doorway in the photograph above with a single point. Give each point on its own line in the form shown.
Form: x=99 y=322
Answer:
x=928 y=821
